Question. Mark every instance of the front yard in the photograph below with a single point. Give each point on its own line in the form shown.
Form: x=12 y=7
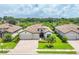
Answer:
x=56 y=45
x=8 y=45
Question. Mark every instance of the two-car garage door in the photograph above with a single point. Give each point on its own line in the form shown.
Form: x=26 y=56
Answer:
x=29 y=36
x=72 y=35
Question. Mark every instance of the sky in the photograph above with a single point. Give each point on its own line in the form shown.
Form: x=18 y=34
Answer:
x=40 y=10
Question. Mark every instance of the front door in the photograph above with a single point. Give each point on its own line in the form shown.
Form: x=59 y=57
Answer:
x=41 y=35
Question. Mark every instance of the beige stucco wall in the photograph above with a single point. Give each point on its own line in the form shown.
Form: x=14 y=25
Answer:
x=59 y=32
x=25 y=35
x=47 y=33
x=70 y=35
x=35 y=36
x=28 y=35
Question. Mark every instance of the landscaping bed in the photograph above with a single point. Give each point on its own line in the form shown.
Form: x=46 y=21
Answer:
x=58 y=44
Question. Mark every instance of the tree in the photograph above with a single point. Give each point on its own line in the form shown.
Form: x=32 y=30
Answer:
x=5 y=18
x=0 y=18
x=7 y=37
x=50 y=39
x=12 y=22
x=10 y=19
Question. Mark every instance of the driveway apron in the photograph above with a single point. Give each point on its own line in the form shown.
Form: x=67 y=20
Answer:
x=25 y=47
x=75 y=45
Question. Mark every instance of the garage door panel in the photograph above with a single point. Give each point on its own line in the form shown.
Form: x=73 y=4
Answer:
x=72 y=35
x=25 y=35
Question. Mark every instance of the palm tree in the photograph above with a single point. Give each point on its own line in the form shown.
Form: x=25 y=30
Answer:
x=50 y=39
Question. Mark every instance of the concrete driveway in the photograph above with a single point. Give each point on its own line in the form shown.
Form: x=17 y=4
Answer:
x=25 y=47
x=75 y=45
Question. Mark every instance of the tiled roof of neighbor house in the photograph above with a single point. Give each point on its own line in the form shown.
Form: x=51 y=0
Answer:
x=10 y=28
x=68 y=27
x=34 y=28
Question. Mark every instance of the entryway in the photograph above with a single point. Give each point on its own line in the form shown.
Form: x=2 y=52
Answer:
x=25 y=47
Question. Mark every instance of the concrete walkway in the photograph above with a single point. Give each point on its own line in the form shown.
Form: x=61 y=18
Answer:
x=25 y=47
x=75 y=45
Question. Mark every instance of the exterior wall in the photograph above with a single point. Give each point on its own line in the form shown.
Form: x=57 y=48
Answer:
x=59 y=32
x=77 y=36
x=35 y=36
x=28 y=35
x=25 y=35
x=47 y=33
x=16 y=33
x=72 y=35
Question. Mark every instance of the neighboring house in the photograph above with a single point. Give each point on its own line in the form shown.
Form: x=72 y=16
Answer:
x=13 y=29
x=71 y=31
x=36 y=31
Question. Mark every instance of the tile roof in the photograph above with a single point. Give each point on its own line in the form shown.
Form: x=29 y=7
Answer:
x=10 y=28
x=68 y=27
x=34 y=28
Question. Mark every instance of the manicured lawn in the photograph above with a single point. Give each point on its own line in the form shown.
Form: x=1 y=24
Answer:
x=8 y=45
x=57 y=45
x=57 y=52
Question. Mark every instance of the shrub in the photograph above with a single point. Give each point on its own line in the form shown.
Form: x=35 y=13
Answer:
x=16 y=39
x=64 y=39
x=50 y=39
x=49 y=46
x=7 y=37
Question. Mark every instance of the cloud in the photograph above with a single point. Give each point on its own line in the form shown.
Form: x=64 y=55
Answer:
x=39 y=10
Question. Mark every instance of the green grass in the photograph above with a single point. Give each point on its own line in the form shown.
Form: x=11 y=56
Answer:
x=56 y=52
x=57 y=45
x=1 y=40
x=8 y=45
x=3 y=51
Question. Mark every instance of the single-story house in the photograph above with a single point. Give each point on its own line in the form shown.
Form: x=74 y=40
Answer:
x=71 y=31
x=36 y=31
x=6 y=27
